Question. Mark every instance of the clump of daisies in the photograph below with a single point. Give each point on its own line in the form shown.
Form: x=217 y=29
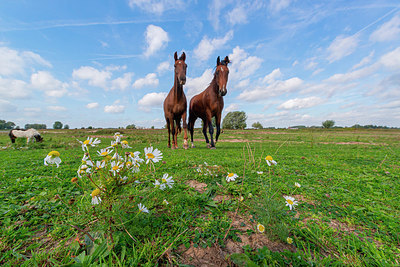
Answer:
x=117 y=180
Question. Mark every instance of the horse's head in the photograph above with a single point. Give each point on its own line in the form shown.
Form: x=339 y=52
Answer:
x=180 y=68
x=221 y=75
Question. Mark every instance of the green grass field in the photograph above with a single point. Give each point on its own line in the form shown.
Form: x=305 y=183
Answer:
x=348 y=210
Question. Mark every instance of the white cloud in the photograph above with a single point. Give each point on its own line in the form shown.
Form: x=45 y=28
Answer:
x=206 y=46
x=114 y=108
x=92 y=105
x=157 y=6
x=387 y=32
x=238 y=15
x=353 y=75
x=301 y=103
x=123 y=82
x=33 y=110
x=278 y=5
x=273 y=89
x=13 y=62
x=196 y=85
x=152 y=100
x=391 y=59
x=16 y=89
x=341 y=47
x=232 y=107
x=164 y=66
x=366 y=60
x=56 y=108
x=150 y=80
x=243 y=83
x=242 y=65
x=274 y=75
x=94 y=76
x=7 y=106
x=214 y=13
x=156 y=39
x=52 y=87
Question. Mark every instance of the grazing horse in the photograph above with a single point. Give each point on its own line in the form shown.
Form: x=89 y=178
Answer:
x=28 y=134
x=175 y=104
x=210 y=103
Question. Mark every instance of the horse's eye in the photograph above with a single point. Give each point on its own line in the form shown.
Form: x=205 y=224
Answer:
x=174 y=65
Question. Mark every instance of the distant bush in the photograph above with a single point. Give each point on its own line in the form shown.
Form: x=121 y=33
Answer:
x=257 y=125
x=35 y=126
x=235 y=120
x=328 y=124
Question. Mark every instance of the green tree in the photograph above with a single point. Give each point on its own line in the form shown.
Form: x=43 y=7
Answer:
x=66 y=126
x=131 y=126
x=57 y=125
x=235 y=120
x=328 y=124
x=36 y=126
x=6 y=125
x=257 y=125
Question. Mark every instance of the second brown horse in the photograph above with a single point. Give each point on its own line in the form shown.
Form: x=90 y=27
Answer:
x=210 y=103
x=175 y=104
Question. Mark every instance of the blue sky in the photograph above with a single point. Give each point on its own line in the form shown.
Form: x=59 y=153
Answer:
x=110 y=63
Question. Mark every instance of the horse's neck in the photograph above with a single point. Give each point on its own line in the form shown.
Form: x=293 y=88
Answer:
x=213 y=87
x=178 y=88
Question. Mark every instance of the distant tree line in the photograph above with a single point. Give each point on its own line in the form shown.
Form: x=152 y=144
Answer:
x=6 y=125
x=36 y=126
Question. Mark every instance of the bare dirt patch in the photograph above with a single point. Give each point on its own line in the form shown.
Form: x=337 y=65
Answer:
x=352 y=143
x=196 y=185
x=222 y=198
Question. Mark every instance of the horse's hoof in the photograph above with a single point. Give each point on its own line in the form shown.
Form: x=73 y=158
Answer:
x=208 y=146
x=213 y=147
x=193 y=146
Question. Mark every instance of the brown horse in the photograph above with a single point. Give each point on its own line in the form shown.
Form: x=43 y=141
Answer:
x=210 y=103
x=175 y=104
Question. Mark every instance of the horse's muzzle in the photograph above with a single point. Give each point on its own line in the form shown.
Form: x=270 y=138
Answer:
x=223 y=92
x=182 y=81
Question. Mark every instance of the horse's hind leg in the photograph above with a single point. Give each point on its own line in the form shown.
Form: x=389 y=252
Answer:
x=184 y=125
x=191 y=128
x=169 y=132
x=178 y=130
x=171 y=122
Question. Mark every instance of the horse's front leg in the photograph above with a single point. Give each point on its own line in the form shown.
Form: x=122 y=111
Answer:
x=205 y=132
x=171 y=121
x=218 y=124
x=185 y=137
x=211 y=130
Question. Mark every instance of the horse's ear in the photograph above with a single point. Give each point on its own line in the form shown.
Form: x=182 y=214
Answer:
x=183 y=56
x=218 y=61
x=176 y=56
x=227 y=60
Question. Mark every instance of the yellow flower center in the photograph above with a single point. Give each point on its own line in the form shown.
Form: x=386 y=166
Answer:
x=268 y=158
x=150 y=155
x=115 y=168
x=96 y=192
x=74 y=179
x=289 y=240
x=124 y=142
x=289 y=201
x=230 y=175
x=164 y=180
x=54 y=154
x=105 y=153
x=128 y=163
x=261 y=228
x=86 y=142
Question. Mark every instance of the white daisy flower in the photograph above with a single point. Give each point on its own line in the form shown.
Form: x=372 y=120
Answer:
x=167 y=180
x=290 y=202
x=125 y=144
x=104 y=152
x=165 y=202
x=260 y=172
x=95 y=197
x=52 y=158
x=297 y=185
x=100 y=164
x=260 y=228
x=270 y=160
x=154 y=155
x=117 y=137
x=116 y=167
x=89 y=142
x=142 y=208
x=231 y=177
x=117 y=157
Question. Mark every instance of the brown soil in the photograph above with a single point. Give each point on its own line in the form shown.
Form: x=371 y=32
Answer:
x=199 y=187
